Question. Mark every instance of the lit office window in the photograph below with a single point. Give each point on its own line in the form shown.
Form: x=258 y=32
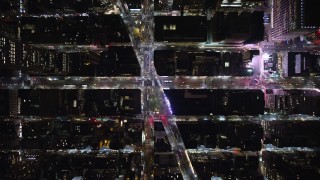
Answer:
x=173 y=27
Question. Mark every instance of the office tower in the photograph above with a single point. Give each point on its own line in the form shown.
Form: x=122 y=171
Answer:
x=293 y=18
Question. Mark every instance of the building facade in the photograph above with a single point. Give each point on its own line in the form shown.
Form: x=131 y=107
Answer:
x=291 y=18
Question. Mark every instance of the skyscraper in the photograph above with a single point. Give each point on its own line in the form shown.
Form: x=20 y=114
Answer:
x=293 y=18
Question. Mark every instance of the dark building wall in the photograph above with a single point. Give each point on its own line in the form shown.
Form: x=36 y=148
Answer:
x=216 y=102
x=232 y=26
x=310 y=15
x=54 y=102
x=242 y=134
x=256 y=26
x=42 y=6
x=116 y=61
x=164 y=62
x=180 y=28
x=8 y=102
x=74 y=30
x=200 y=63
x=315 y=64
x=4 y=99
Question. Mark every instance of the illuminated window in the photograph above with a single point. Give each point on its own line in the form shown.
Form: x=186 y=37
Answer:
x=78 y=128
x=170 y=27
x=226 y=64
x=173 y=27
